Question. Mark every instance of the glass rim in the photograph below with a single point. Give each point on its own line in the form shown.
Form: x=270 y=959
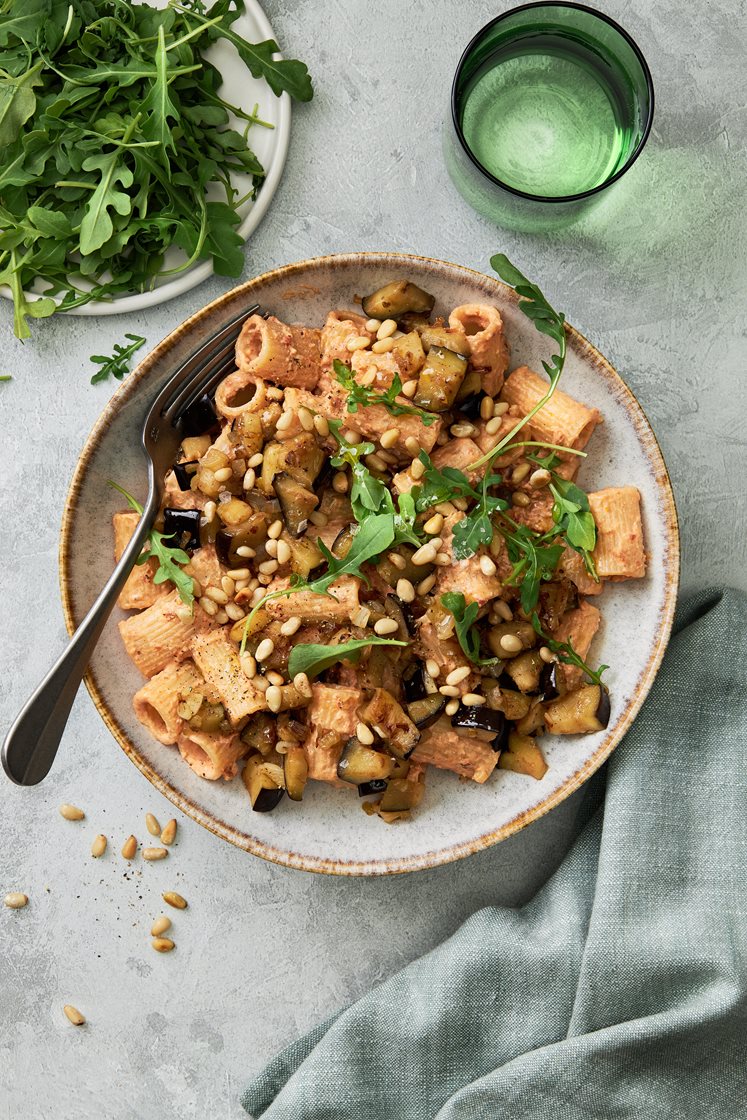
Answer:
x=474 y=41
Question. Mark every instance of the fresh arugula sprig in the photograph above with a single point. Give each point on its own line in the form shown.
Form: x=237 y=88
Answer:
x=574 y=520
x=361 y=396
x=476 y=527
x=170 y=559
x=547 y=320
x=465 y=616
x=312 y=659
x=116 y=364
x=567 y=654
x=116 y=145
x=534 y=559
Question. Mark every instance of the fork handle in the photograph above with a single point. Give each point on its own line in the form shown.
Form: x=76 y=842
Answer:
x=31 y=744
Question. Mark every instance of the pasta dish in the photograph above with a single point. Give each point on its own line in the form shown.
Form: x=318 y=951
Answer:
x=373 y=558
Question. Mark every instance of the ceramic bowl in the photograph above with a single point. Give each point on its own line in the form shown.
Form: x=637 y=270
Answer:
x=328 y=832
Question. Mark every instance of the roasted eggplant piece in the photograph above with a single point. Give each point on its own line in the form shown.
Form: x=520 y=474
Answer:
x=390 y=573
x=378 y=785
x=260 y=733
x=360 y=764
x=234 y=512
x=246 y=434
x=263 y=781
x=524 y=631
x=305 y=556
x=249 y=534
x=523 y=756
x=401 y=614
x=534 y=720
x=342 y=542
x=301 y=457
x=200 y=417
x=480 y=718
x=296 y=771
x=525 y=670
x=413 y=682
x=183 y=526
x=184 y=473
x=397 y=299
x=548 y=682
x=580 y=712
x=391 y=723
x=440 y=379
x=426 y=711
x=434 y=335
x=409 y=354
x=401 y=795
x=296 y=502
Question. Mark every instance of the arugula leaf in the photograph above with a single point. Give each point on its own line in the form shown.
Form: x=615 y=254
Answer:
x=170 y=559
x=367 y=493
x=568 y=655
x=549 y=322
x=97 y=226
x=313 y=659
x=375 y=535
x=360 y=395
x=476 y=528
x=573 y=517
x=465 y=617
x=405 y=531
x=441 y=485
x=118 y=363
x=533 y=561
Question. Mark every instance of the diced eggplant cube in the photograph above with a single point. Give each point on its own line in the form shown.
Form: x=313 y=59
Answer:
x=580 y=712
x=183 y=527
x=396 y=299
x=200 y=417
x=377 y=785
x=401 y=795
x=391 y=723
x=184 y=472
x=360 y=764
x=296 y=771
x=264 y=791
x=426 y=710
x=296 y=502
x=479 y=718
x=548 y=682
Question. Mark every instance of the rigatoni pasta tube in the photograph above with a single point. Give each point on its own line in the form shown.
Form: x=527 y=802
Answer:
x=488 y=349
x=139 y=591
x=577 y=627
x=217 y=658
x=157 y=635
x=272 y=350
x=562 y=420
x=211 y=756
x=156 y=702
x=619 y=552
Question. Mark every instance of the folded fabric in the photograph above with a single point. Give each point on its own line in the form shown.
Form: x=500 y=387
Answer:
x=620 y=990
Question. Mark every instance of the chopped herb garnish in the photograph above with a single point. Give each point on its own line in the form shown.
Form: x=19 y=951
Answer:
x=476 y=527
x=170 y=560
x=532 y=557
x=313 y=659
x=360 y=396
x=567 y=654
x=465 y=616
x=117 y=364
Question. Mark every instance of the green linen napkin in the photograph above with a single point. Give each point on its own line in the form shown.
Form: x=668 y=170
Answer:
x=620 y=990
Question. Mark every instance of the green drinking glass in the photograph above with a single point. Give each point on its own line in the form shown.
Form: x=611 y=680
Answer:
x=551 y=104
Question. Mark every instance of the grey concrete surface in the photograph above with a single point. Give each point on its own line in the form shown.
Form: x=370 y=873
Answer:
x=655 y=277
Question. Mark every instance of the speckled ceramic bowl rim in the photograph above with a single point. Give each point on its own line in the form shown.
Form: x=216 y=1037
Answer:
x=453 y=852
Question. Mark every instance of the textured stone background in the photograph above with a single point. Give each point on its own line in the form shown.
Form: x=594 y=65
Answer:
x=653 y=278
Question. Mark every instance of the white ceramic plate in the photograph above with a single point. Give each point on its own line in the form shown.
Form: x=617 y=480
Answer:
x=269 y=145
x=328 y=831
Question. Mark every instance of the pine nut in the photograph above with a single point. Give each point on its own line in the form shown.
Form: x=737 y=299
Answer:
x=129 y=847
x=427 y=584
x=503 y=610
x=271 y=548
x=519 y=498
x=168 y=834
x=445 y=508
x=389 y=438
x=248 y=665
x=387 y=329
x=316 y=517
x=373 y=325
x=217 y=594
x=518 y=474
x=160 y=926
x=442 y=559
x=265 y=649
x=284 y=422
x=163 y=944
x=449 y=690
x=340 y=483
x=290 y=626
x=434 y=525
x=228 y=585
x=511 y=643
x=274 y=698
x=494 y=426
x=74 y=1015
x=222 y=474
x=249 y=479
x=452 y=708
x=16 y=900
x=462 y=431
x=426 y=554
x=234 y=612
x=473 y=700
x=306 y=418
x=208 y=605
x=71 y=812
x=501 y=408
x=487 y=408
x=417 y=469
x=196 y=588
x=152 y=854
x=539 y=479
x=409 y=389
x=256 y=460
x=487 y=566
x=238 y=574
x=357 y=342
x=385 y=626
x=368 y=379
x=261 y=684
x=274 y=678
x=268 y=567
x=456 y=676
x=245 y=552
x=152 y=825
x=433 y=669
x=208 y=514
x=405 y=591
x=98 y=847
x=321 y=425
x=547 y=655
x=284 y=552
x=364 y=734
x=174 y=899
x=382 y=345
x=275 y=530
x=398 y=561
x=302 y=684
